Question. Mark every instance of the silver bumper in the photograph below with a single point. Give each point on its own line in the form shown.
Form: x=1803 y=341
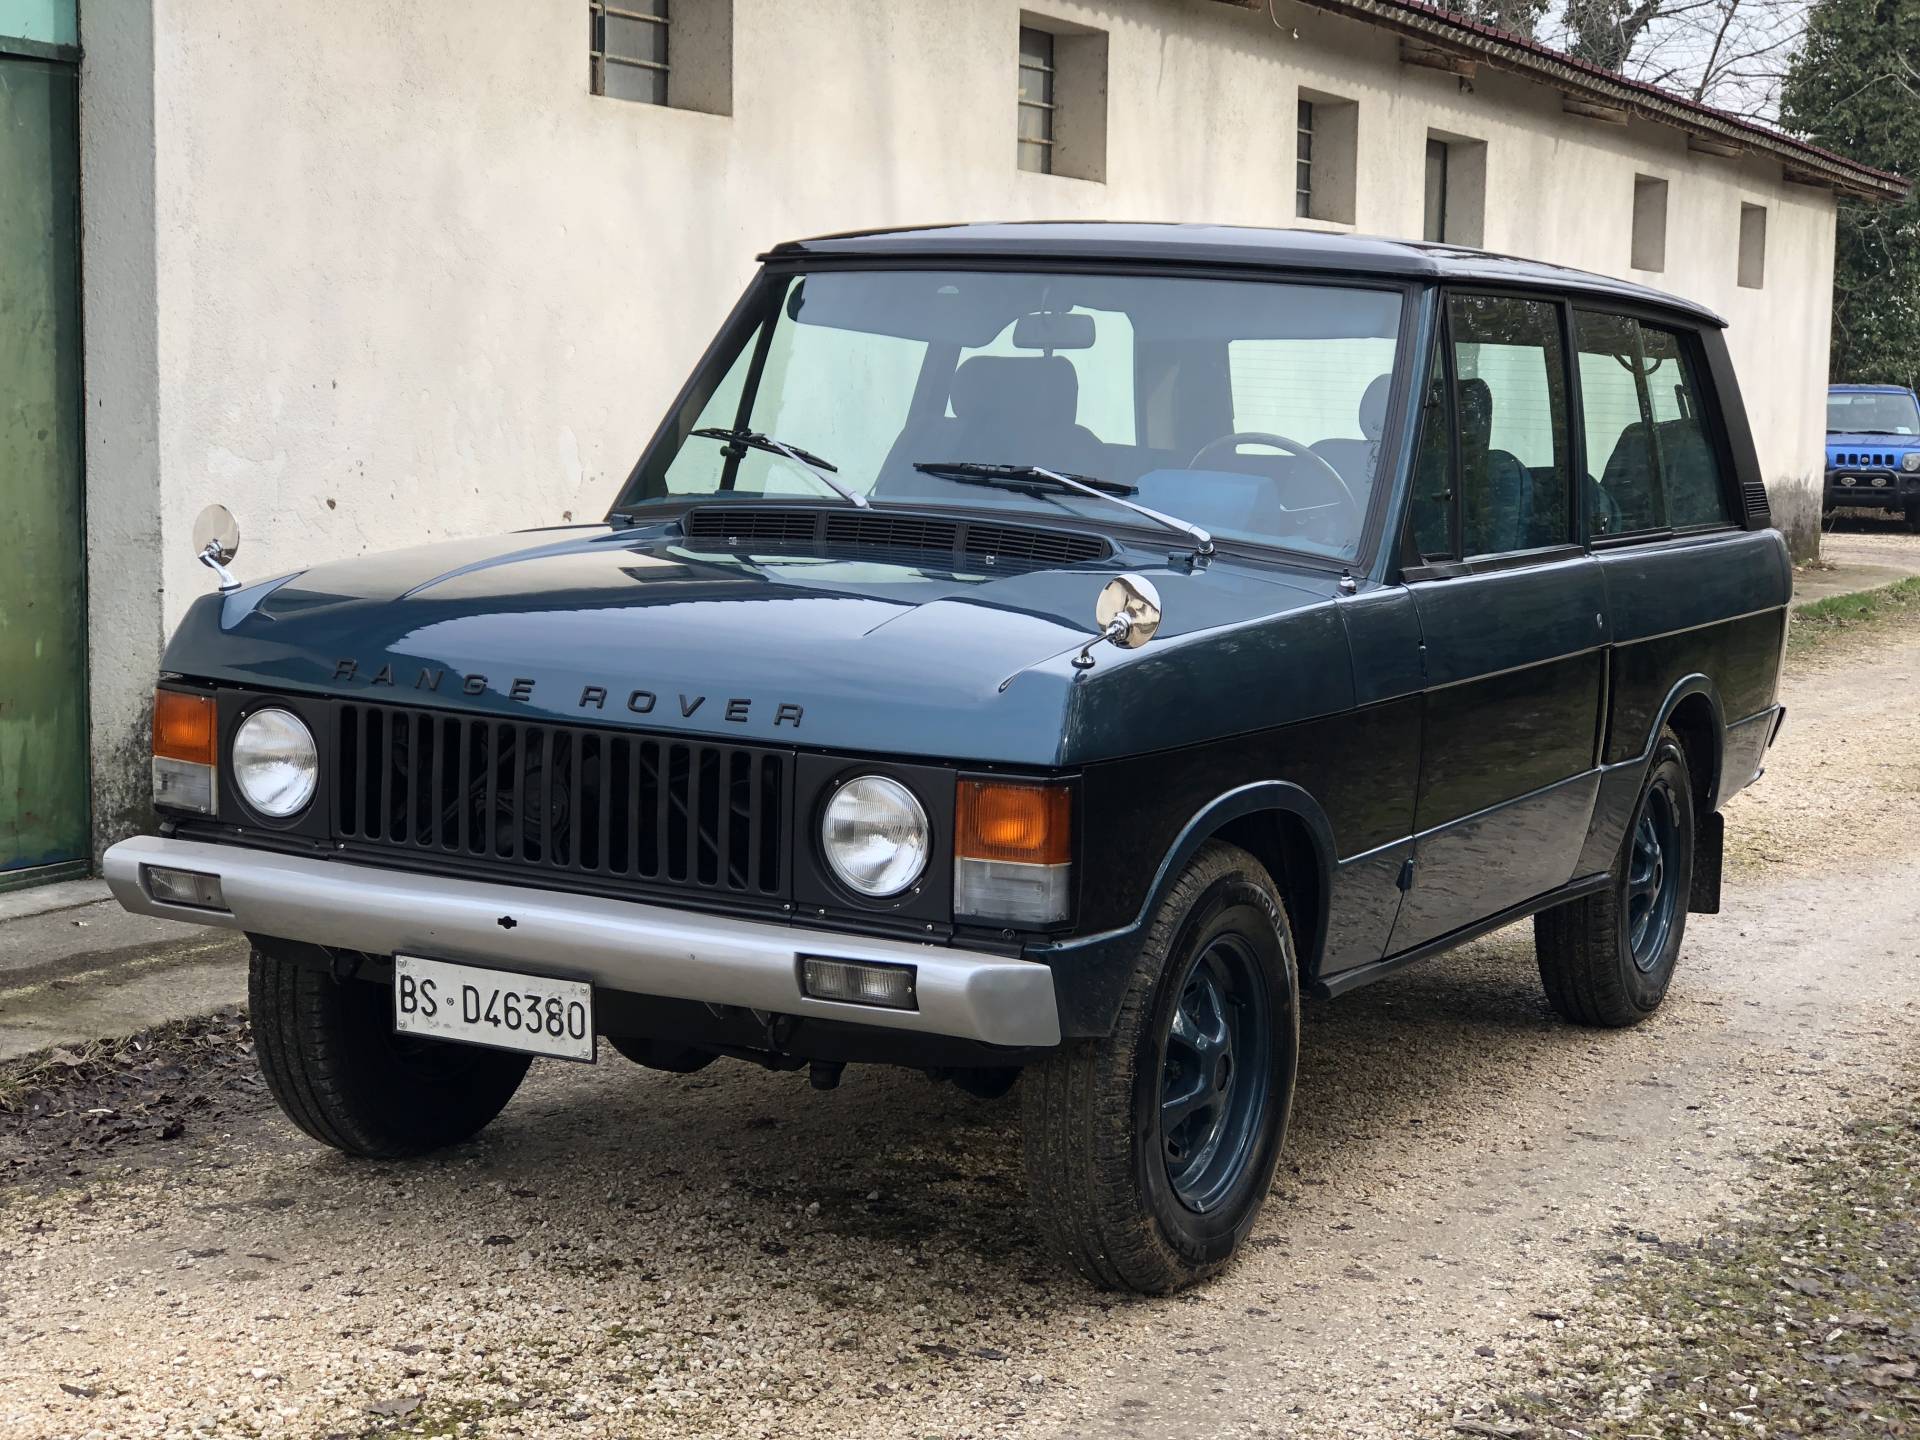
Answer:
x=623 y=945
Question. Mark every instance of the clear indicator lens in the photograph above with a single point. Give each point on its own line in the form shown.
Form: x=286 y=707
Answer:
x=890 y=986
x=182 y=785
x=275 y=763
x=185 y=887
x=875 y=836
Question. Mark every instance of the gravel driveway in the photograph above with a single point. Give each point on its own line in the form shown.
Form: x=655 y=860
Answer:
x=627 y=1253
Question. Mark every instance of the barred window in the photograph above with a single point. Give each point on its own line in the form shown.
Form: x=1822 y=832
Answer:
x=628 y=45
x=1303 y=163
x=1036 y=100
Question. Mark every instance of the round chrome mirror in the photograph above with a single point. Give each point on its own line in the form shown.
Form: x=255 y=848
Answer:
x=1132 y=600
x=216 y=534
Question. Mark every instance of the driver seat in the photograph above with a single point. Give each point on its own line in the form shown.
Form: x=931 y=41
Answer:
x=1007 y=409
x=1355 y=459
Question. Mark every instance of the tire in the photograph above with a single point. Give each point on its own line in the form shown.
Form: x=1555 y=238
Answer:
x=328 y=1052
x=1913 y=519
x=1607 y=959
x=1119 y=1195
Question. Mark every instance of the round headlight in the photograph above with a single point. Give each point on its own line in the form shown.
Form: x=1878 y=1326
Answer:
x=1910 y=461
x=275 y=763
x=875 y=836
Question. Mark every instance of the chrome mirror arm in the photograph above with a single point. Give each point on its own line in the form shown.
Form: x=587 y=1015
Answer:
x=1115 y=632
x=215 y=558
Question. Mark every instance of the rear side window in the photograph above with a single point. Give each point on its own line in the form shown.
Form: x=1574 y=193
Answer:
x=1651 y=462
x=1510 y=408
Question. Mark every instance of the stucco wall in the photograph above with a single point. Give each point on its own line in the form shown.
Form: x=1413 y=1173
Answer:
x=413 y=281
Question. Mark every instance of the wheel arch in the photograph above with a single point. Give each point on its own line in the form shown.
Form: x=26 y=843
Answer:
x=1692 y=709
x=1286 y=830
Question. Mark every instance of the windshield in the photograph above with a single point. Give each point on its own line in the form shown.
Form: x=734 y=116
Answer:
x=1252 y=408
x=1862 y=413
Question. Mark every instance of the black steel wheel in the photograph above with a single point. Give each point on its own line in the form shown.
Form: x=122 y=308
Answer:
x=1607 y=959
x=1150 y=1150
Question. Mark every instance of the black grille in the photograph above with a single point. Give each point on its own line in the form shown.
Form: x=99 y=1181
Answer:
x=1869 y=459
x=1753 y=498
x=904 y=533
x=684 y=814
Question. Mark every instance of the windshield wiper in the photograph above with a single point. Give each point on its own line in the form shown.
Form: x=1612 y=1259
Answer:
x=1036 y=477
x=741 y=441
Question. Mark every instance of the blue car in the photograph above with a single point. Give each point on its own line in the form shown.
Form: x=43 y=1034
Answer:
x=1873 y=450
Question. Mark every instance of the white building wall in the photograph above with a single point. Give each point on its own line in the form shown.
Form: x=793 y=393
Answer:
x=411 y=280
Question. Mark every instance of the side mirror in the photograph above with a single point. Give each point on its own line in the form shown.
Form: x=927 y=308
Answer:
x=216 y=540
x=1128 y=614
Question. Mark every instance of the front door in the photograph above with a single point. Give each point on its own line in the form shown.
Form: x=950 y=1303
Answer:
x=1512 y=622
x=43 y=641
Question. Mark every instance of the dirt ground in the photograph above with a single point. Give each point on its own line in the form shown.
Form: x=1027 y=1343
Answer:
x=731 y=1254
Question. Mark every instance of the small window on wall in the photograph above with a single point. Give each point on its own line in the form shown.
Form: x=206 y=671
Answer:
x=1456 y=191
x=1657 y=464
x=1753 y=246
x=1061 y=105
x=663 y=52
x=1649 y=223
x=1326 y=136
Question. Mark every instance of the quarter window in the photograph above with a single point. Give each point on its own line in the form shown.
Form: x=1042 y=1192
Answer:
x=1640 y=399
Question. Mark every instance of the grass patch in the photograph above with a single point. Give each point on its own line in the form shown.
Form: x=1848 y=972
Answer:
x=1818 y=623
x=1803 y=1321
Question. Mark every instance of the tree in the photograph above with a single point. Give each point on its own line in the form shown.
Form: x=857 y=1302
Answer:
x=1855 y=88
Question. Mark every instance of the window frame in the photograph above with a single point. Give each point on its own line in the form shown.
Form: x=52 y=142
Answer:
x=1413 y=567
x=1713 y=426
x=1303 y=132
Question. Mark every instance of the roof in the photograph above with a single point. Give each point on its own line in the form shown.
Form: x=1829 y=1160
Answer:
x=1234 y=246
x=1610 y=95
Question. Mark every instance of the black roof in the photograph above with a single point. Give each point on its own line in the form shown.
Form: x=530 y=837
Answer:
x=1225 y=245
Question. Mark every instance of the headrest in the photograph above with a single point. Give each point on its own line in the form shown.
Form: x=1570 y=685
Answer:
x=1017 y=389
x=1373 y=407
x=1476 y=413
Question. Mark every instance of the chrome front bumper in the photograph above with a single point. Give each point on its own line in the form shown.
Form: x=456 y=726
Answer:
x=619 y=944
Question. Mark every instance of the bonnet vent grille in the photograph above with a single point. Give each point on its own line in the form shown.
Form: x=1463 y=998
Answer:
x=743 y=525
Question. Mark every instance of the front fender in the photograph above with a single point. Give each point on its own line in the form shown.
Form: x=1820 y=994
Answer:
x=1091 y=971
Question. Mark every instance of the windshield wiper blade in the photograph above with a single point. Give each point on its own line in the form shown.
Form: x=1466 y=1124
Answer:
x=740 y=441
x=974 y=472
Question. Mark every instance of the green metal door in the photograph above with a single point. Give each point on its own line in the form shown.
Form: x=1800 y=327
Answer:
x=43 y=640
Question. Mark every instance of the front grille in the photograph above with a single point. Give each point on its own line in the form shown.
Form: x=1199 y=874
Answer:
x=640 y=809
x=1864 y=459
x=962 y=540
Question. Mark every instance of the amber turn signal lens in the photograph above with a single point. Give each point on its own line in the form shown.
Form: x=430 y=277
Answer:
x=1008 y=820
x=183 y=726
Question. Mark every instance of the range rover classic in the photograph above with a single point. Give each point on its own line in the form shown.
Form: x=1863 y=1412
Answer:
x=1035 y=652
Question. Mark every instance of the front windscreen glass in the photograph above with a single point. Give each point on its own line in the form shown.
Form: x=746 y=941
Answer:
x=1252 y=408
x=1871 y=413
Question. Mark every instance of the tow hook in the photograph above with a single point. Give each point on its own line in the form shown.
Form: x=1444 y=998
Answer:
x=825 y=1074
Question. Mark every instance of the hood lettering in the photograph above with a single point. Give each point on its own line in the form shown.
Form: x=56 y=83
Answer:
x=738 y=708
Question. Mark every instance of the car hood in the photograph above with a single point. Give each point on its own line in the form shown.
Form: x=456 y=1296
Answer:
x=1847 y=440
x=880 y=652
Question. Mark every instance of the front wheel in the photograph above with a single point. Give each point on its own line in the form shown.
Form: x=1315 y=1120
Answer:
x=1913 y=518
x=1607 y=959
x=328 y=1052
x=1150 y=1150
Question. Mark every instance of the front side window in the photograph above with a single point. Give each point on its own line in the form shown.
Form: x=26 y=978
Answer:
x=1510 y=405
x=1651 y=462
x=1868 y=412
x=1256 y=409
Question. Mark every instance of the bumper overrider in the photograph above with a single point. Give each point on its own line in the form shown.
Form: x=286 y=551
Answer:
x=615 y=944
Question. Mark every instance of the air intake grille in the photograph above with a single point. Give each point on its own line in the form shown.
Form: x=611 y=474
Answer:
x=1870 y=459
x=680 y=814
x=1753 y=499
x=965 y=541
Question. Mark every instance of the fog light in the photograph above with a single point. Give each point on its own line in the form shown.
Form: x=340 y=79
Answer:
x=183 y=887
x=182 y=785
x=858 y=983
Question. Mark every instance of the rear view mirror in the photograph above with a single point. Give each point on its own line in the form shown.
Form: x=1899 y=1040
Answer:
x=1051 y=330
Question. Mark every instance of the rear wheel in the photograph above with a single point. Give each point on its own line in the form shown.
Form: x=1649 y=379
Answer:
x=329 y=1054
x=1149 y=1151
x=1608 y=959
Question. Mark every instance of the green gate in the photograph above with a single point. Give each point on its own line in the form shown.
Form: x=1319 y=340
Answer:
x=43 y=633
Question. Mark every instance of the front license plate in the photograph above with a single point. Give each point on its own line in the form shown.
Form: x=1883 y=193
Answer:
x=478 y=1006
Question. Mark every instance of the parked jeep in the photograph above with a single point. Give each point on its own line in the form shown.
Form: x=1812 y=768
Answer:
x=1873 y=450
x=1022 y=650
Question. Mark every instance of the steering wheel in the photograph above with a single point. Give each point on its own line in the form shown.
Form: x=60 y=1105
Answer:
x=1292 y=447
